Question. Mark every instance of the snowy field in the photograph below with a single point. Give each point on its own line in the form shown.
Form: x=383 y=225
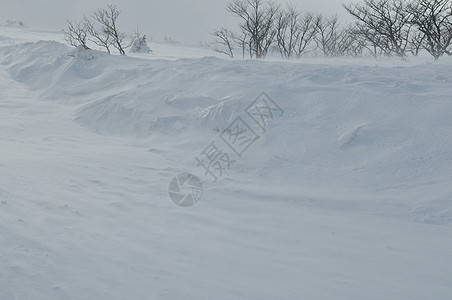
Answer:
x=346 y=194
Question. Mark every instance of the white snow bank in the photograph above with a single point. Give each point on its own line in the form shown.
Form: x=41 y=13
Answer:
x=378 y=127
x=346 y=196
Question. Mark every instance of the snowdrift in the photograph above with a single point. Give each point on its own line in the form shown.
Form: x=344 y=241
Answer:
x=373 y=126
x=347 y=195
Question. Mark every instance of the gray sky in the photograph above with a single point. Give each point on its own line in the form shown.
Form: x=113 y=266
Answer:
x=186 y=21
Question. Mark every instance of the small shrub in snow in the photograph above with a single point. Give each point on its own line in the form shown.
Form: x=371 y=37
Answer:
x=15 y=23
x=170 y=40
x=139 y=45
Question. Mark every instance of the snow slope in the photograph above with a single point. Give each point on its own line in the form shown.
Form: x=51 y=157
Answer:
x=346 y=196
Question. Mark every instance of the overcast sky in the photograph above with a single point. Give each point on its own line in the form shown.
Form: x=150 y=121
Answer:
x=185 y=21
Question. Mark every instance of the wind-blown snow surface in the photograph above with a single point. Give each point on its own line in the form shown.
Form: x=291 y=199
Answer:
x=347 y=196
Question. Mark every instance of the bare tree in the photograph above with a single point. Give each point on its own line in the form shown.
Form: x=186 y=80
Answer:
x=76 y=34
x=257 y=23
x=294 y=32
x=328 y=35
x=101 y=29
x=101 y=37
x=107 y=18
x=349 y=44
x=416 y=42
x=433 y=18
x=305 y=35
x=287 y=29
x=225 y=42
x=384 y=24
x=242 y=41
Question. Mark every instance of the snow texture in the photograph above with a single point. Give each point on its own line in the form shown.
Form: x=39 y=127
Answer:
x=347 y=195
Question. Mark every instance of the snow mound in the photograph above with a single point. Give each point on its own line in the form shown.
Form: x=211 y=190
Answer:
x=140 y=114
x=218 y=116
x=346 y=195
x=378 y=127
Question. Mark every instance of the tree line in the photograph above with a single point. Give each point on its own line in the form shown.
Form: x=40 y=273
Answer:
x=381 y=28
